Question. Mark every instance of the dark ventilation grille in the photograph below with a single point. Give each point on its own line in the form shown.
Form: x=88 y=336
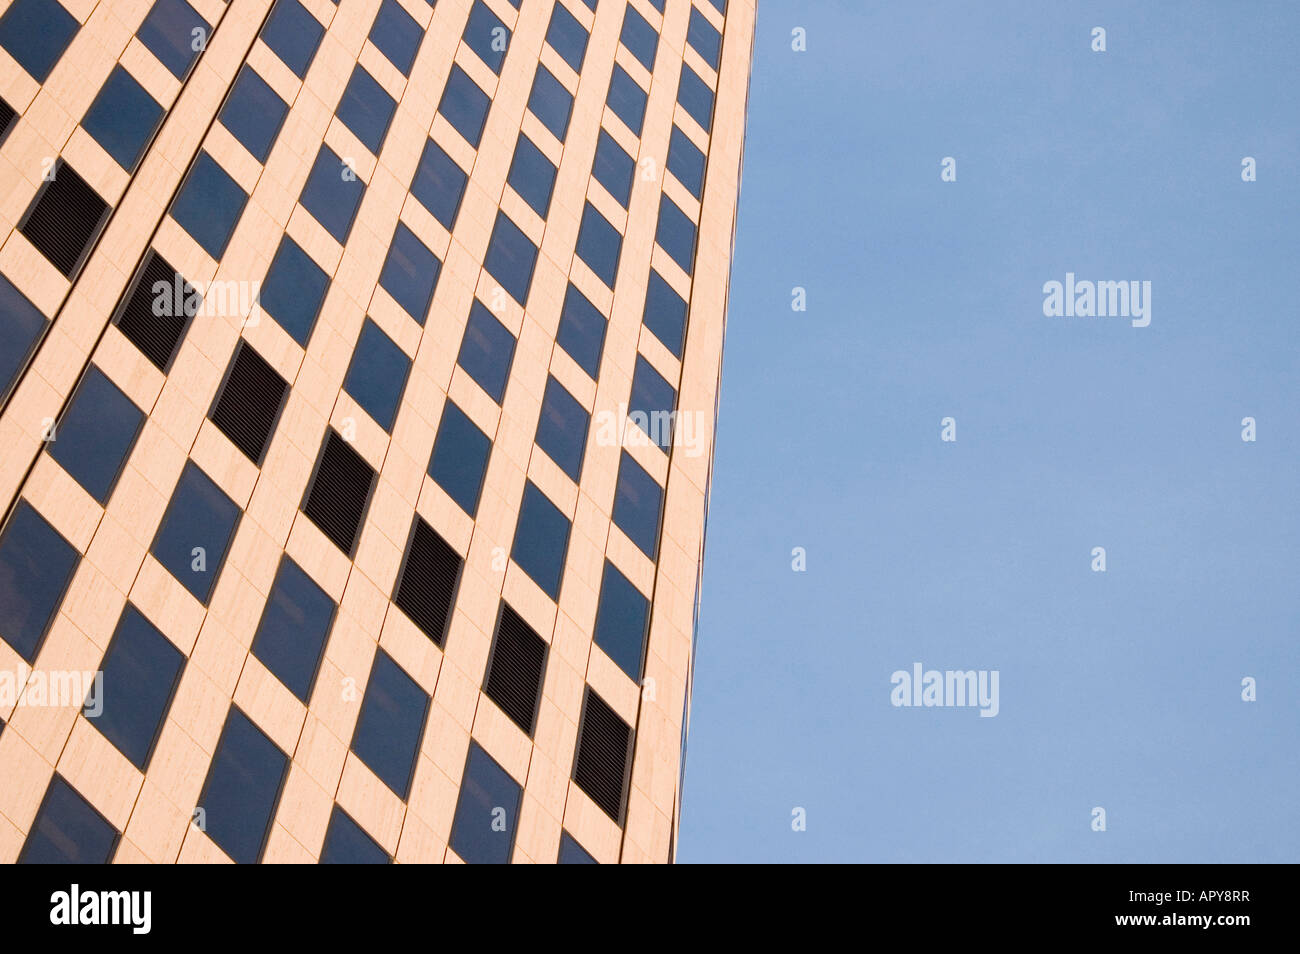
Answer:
x=604 y=757
x=514 y=675
x=426 y=587
x=249 y=402
x=339 y=492
x=64 y=219
x=152 y=319
x=8 y=118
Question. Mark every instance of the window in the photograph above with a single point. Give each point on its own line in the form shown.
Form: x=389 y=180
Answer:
x=604 y=758
x=572 y=853
x=377 y=374
x=426 y=584
x=209 y=204
x=439 y=184
x=665 y=314
x=156 y=310
x=388 y=731
x=532 y=175
x=487 y=36
x=35 y=33
x=195 y=533
x=637 y=503
x=95 y=434
x=64 y=219
x=346 y=842
x=639 y=37
x=652 y=404
x=410 y=273
x=487 y=351
x=658 y=5
x=562 y=428
x=339 y=492
x=68 y=830
x=397 y=35
x=696 y=98
x=465 y=106
x=489 y=797
x=541 y=540
x=706 y=39
x=8 y=119
x=719 y=5
x=686 y=162
x=622 y=616
x=627 y=99
x=122 y=118
x=141 y=671
x=599 y=244
x=21 y=323
x=249 y=402
x=294 y=290
x=510 y=258
x=613 y=167
x=254 y=113
x=460 y=456
x=332 y=194
x=675 y=234
x=36 y=565
x=293 y=35
x=291 y=636
x=567 y=37
x=582 y=331
x=550 y=102
x=366 y=109
x=516 y=666
x=242 y=789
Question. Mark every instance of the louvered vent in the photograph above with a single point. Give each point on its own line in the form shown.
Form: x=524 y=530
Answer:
x=152 y=319
x=339 y=493
x=64 y=219
x=249 y=402
x=604 y=756
x=514 y=676
x=426 y=587
x=8 y=119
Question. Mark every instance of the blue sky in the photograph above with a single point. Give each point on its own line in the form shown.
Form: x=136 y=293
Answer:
x=1119 y=689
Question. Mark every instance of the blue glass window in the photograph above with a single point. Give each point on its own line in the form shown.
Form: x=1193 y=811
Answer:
x=706 y=39
x=637 y=502
x=696 y=98
x=622 y=616
x=627 y=99
x=639 y=37
x=68 y=830
x=254 y=113
x=122 y=118
x=532 y=175
x=295 y=623
x=439 y=184
x=388 y=731
x=377 y=374
x=686 y=162
x=21 y=323
x=658 y=5
x=242 y=789
x=332 y=194
x=652 y=403
x=487 y=351
x=410 y=273
x=366 y=109
x=550 y=102
x=293 y=34
x=719 y=5
x=541 y=540
x=582 y=331
x=195 y=533
x=35 y=33
x=599 y=244
x=209 y=204
x=141 y=670
x=562 y=428
x=294 y=290
x=460 y=457
x=487 y=36
x=465 y=106
x=95 y=434
x=567 y=37
x=174 y=33
x=36 y=565
x=613 y=168
x=510 y=258
x=676 y=234
x=665 y=313
x=572 y=853
x=487 y=812
x=397 y=35
x=346 y=843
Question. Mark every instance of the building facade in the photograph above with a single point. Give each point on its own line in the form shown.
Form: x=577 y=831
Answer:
x=358 y=366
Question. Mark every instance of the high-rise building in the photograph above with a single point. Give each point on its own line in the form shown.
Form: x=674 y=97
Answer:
x=358 y=372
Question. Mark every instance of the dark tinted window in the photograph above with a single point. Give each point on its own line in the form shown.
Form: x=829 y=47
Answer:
x=572 y=853
x=293 y=34
x=68 y=830
x=550 y=102
x=294 y=290
x=175 y=34
x=516 y=668
x=346 y=842
x=562 y=428
x=601 y=765
x=465 y=106
x=705 y=37
x=627 y=99
x=686 y=162
x=541 y=540
x=254 y=113
x=21 y=323
x=567 y=37
x=35 y=33
x=339 y=492
x=295 y=622
x=95 y=434
x=439 y=184
x=460 y=456
x=532 y=175
x=510 y=258
x=242 y=789
x=696 y=97
x=652 y=403
x=487 y=36
x=156 y=310
x=388 y=731
x=366 y=109
x=676 y=234
x=195 y=533
x=397 y=35
x=487 y=351
x=613 y=167
x=426 y=585
x=487 y=812
x=332 y=194
x=639 y=37
x=582 y=331
x=209 y=204
x=637 y=503
x=377 y=374
x=599 y=245
x=410 y=273
x=64 y=219
x=36 y=564
x=665 y=313
x=249 y=402
x=122 y=118
x=622 y=616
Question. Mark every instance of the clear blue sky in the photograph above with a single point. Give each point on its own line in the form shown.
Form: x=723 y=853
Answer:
x=1119 y=689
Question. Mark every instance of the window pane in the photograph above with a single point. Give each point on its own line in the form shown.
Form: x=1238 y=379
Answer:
x=637 y=502
x=68 y=830
x=122 y=118
x=566 y=35
x=627 y=99
x=487 y=351
x=532 y=175
x=705 y=37
x=510 y=258
x=541 y=540
x=242 y=789
x=35 y=33
x=332 y=194
x=551 y=102
x=388 y=731
x=195 y=533
x=397 y=34
x=294 y=290
x=639 y=37
x=439 y=184
x=254 y=113
x=686 y=162
x=572 y=853
x=346 y=843
x=377 y=374
x=621 y=619
x=95 y=434
x=291 y=636
x=696 y=97
x=487 y=36
x=487 y=811
x=675 y=234
x=465 y=106
x=665 y=313
x=582 y=331
x=366 y=109
x=209 y=204
x=293 y=34
x=599 y=244
x=460 y=456
x=169 y=33
x=36 y=564
x=410 y=273
x=562 y=428
x=613 y=168
x=21 y=323
x=652 y=403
